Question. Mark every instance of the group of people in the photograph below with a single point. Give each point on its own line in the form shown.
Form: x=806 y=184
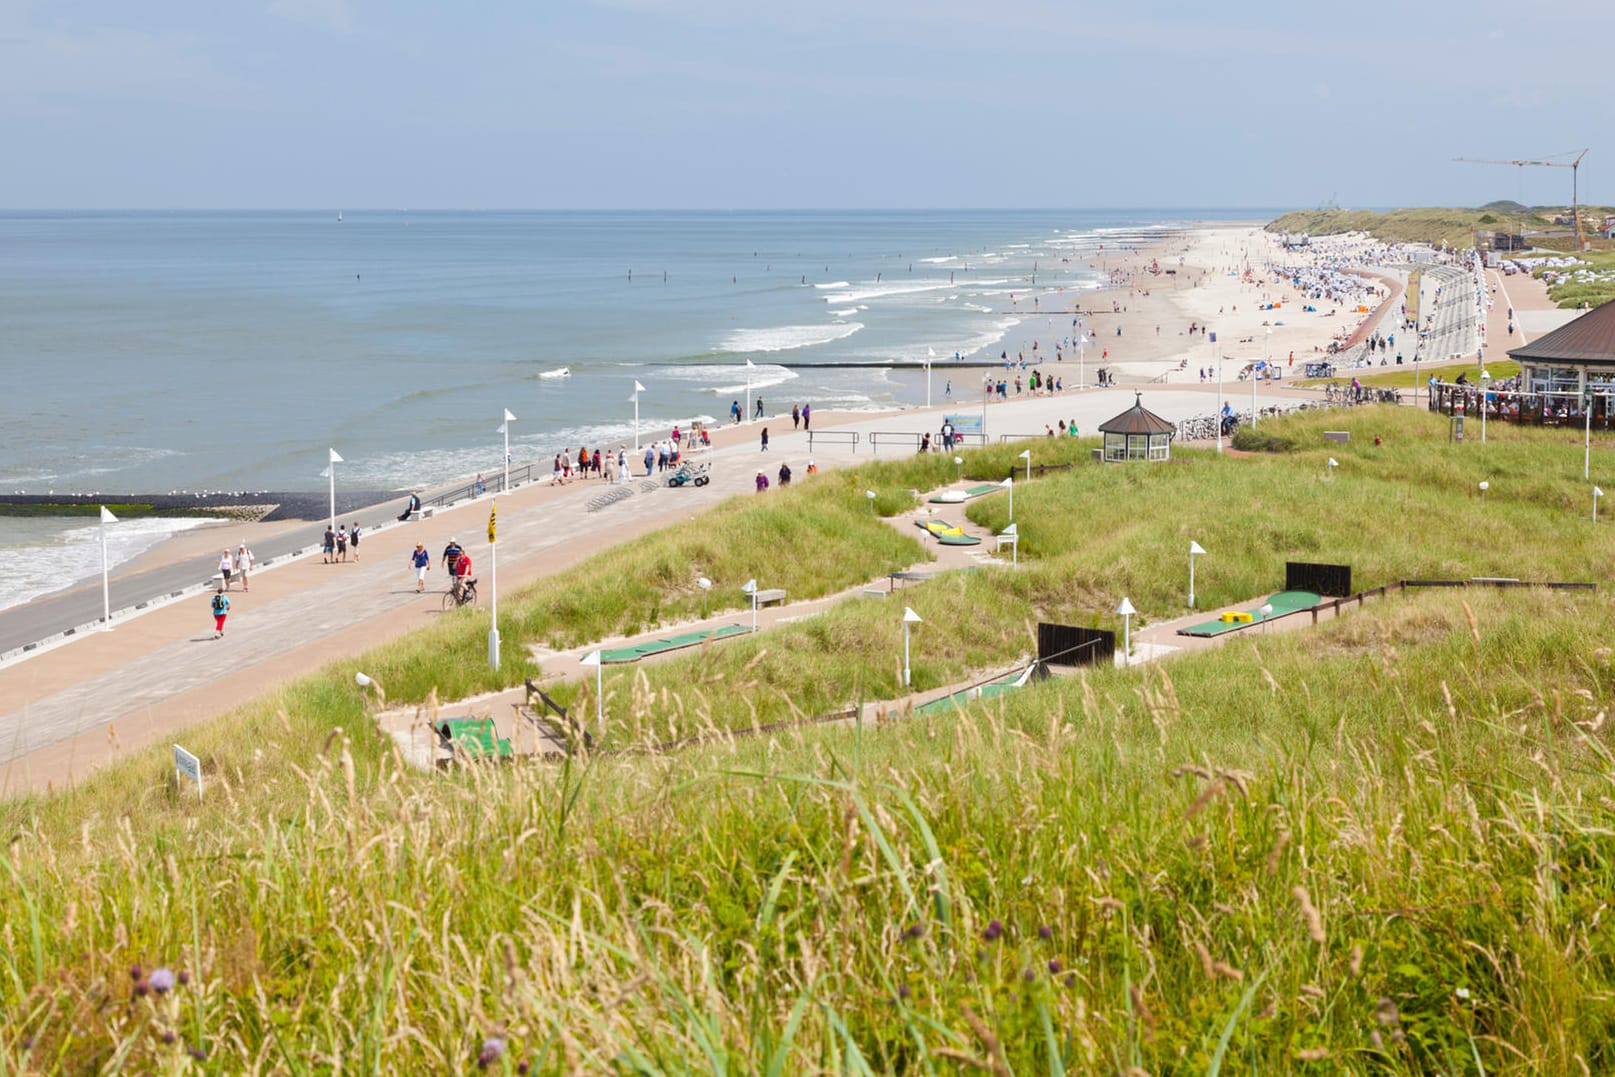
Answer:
x=454 y=559
x=784 y=475
x=232 y=567
x=1037 y=382
x=338 y=539
x=801 y=415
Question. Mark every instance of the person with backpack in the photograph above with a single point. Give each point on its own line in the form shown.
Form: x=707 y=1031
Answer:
x=353 y=539
x=221 y=610
x=328 y=547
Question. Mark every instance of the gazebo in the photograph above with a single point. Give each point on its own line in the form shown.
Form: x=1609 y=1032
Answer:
x=1137 y=434
x=1575 y=358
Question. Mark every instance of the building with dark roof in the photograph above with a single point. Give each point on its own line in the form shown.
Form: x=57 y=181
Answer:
x=1137 y=434
x=1576 y=357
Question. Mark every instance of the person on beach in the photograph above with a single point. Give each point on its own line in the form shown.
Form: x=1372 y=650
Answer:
x=661 y=457
x=765 y=439
x=759 y=413
x=328 y=546
x=451 y=561
x=784 y=475
x=480 y=486
x=622 y=463
x=762 y=482
x=221 y=609
x=243 y=564
x=421 y=562
x=807 y=415
x=611 y=469
x=225 y=565
x=353 y=539
x=594 y=464
x=462 y=574
x=796 y=417
x=734 y=410
x=556 y=478
x=650 y=460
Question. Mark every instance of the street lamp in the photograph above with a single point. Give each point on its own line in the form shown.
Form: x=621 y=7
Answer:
x=958 y=468
x=1082 y=361
x=1597 y=493
x=1009 y=484
x=638 y=388
x=593 y=659
x=504 y=428
x=909 y=618
x=750 y=588
x=1485 y=376
x=1267 y=360
x=1484 y=486
x=1026 y=454
x=335 y=458
x=1126 y=611
x=1194 y=548
x=706 y=589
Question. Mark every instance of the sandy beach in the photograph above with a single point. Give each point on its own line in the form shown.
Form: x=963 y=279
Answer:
x=77 y=706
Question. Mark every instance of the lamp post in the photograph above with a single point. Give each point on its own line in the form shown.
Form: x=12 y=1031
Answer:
x=750 y=588
x=593 y=659
x=330 y=472
x=1082 y=361
x=1194 y=548
x=1126 y=611
x=1026 y=454
x=930 y=357
x=1267 y=357
x=909 y=618
x=107 y=519
x=958 y=468
x=1485 y=376
x=638 y=388
x=1009 y=484
x=706 y=590
x=1333 y=463
x=1587 y=436
x=1597 y=493
x=504 y=428
x=986 y=394
x=750 y=366
x=493 y=585
x=1484 y=486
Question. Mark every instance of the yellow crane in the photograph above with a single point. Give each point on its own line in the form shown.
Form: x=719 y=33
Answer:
x=1574 y=165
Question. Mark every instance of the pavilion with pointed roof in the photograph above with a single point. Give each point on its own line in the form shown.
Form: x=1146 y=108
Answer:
x=1574 y=358
x=1137 y=434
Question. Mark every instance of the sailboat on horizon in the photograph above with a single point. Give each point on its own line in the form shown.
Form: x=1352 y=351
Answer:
x=339 y=216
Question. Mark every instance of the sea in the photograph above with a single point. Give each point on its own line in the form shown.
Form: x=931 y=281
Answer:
x=148 y=351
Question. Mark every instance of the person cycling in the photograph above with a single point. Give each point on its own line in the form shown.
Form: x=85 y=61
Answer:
x=462 y=575
x=451 y=560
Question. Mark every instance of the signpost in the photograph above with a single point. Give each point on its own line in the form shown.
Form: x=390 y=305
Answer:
x=187 y=765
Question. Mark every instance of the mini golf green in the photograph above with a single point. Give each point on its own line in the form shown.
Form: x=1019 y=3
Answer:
x=974 y=491
x=946 y=533
x=987 y=691
x=671 y=643
x=1283 y=602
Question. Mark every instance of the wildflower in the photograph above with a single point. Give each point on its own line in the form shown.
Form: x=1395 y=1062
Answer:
x=1463 y=993
x=523 y=1066
x=184 y=977
x=1045 y=932
x=135 y=972
x=1071 y=981
x=161 y=981
x=169 y=1037
x=142 y=988
x=915 y=931
x=493 y=1049
x=903 y=991
x=1028 y=975
x=196 y=1052
x=995 y=928
x=1055 y=966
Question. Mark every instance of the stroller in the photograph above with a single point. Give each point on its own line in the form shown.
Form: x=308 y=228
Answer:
x=692 y=473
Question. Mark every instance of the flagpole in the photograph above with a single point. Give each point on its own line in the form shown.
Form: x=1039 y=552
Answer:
x=331 y=467
x=107 y=519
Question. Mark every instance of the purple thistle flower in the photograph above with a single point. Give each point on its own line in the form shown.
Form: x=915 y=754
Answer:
x=142 y=989
x=168 y=1036
x=1045 y=933
x=915 y=931
x=136 y=972
x=523 y=1066
x=1071 y=981
x=1028 y=975
x=27 y=1043
x=196 y=1052
x=903 y=991
x=995 y=928
x=1054 y=965
x=162 y=981
x=184 y=977
x=493 y=1049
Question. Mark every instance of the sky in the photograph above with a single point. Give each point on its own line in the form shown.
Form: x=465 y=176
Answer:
x=741 y=104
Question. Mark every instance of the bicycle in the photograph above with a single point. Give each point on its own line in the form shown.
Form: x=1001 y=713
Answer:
x=466 y=596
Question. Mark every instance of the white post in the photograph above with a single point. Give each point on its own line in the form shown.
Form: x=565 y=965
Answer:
x=1009 y=484
x=1082 y=361
x=335 y=459
x=750 y=588
x=106 y=586
x=1587 y=442
x=909 y=617
x=1597 y=493
x=504 y=428
x=1219 y=397
x=930 y=355
x=1026 y=454
x=638 y=388
x=493 y=626
x=1194 y=548
x=1126 y=610
x=746 y=416
x=1014 y=535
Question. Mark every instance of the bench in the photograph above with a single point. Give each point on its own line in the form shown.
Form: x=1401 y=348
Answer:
x=773 y=594
x=1339 y=437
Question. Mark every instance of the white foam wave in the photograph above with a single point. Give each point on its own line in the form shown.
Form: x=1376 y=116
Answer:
x=41 y=556
x=782 y=338
x=834 y=284
x=847 y=313
x=941 y=261
x=728 y=378
x=871 y=290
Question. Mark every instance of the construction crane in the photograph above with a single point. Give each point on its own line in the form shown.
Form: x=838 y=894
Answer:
x=1574 y=165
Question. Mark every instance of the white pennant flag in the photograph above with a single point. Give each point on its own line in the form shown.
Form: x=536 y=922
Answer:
x=503 y=427
x=638 y=388
x=336 y=458
x=509 y=418
x=931 y=352
x=107 y=517
x=326 y=474
x=750 y=365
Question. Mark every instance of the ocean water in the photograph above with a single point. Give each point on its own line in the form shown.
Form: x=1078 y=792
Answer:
x=155 y=351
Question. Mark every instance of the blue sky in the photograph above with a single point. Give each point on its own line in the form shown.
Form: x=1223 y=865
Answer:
x=840 y=103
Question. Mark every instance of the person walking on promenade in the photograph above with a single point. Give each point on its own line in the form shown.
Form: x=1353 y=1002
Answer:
x=342 y=543
x=765 y=439
x=762 y=482
x=221 y=609
x=328 y=546
x=759 y=412
x=243 y=564
x=353 y=539
x=784 y=475
x=623 y=469
x=796 y=417
x=225 y=565
x=807 y=415
x=650 y=460
x=452 y=553
x=734 y=410
x=421 y=562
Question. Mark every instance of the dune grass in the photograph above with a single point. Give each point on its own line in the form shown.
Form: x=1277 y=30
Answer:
x=1386 y=845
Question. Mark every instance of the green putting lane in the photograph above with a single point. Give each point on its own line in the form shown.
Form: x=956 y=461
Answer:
x=959 y=699
x=671 y=643
x=974 y=491
x=1283 y=602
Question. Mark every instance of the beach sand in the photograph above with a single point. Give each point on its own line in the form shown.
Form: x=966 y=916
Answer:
x=155 y=675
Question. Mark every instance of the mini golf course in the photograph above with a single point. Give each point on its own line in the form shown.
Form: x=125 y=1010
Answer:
x=955 y=497
x=1277 y=605
x=671 y=643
